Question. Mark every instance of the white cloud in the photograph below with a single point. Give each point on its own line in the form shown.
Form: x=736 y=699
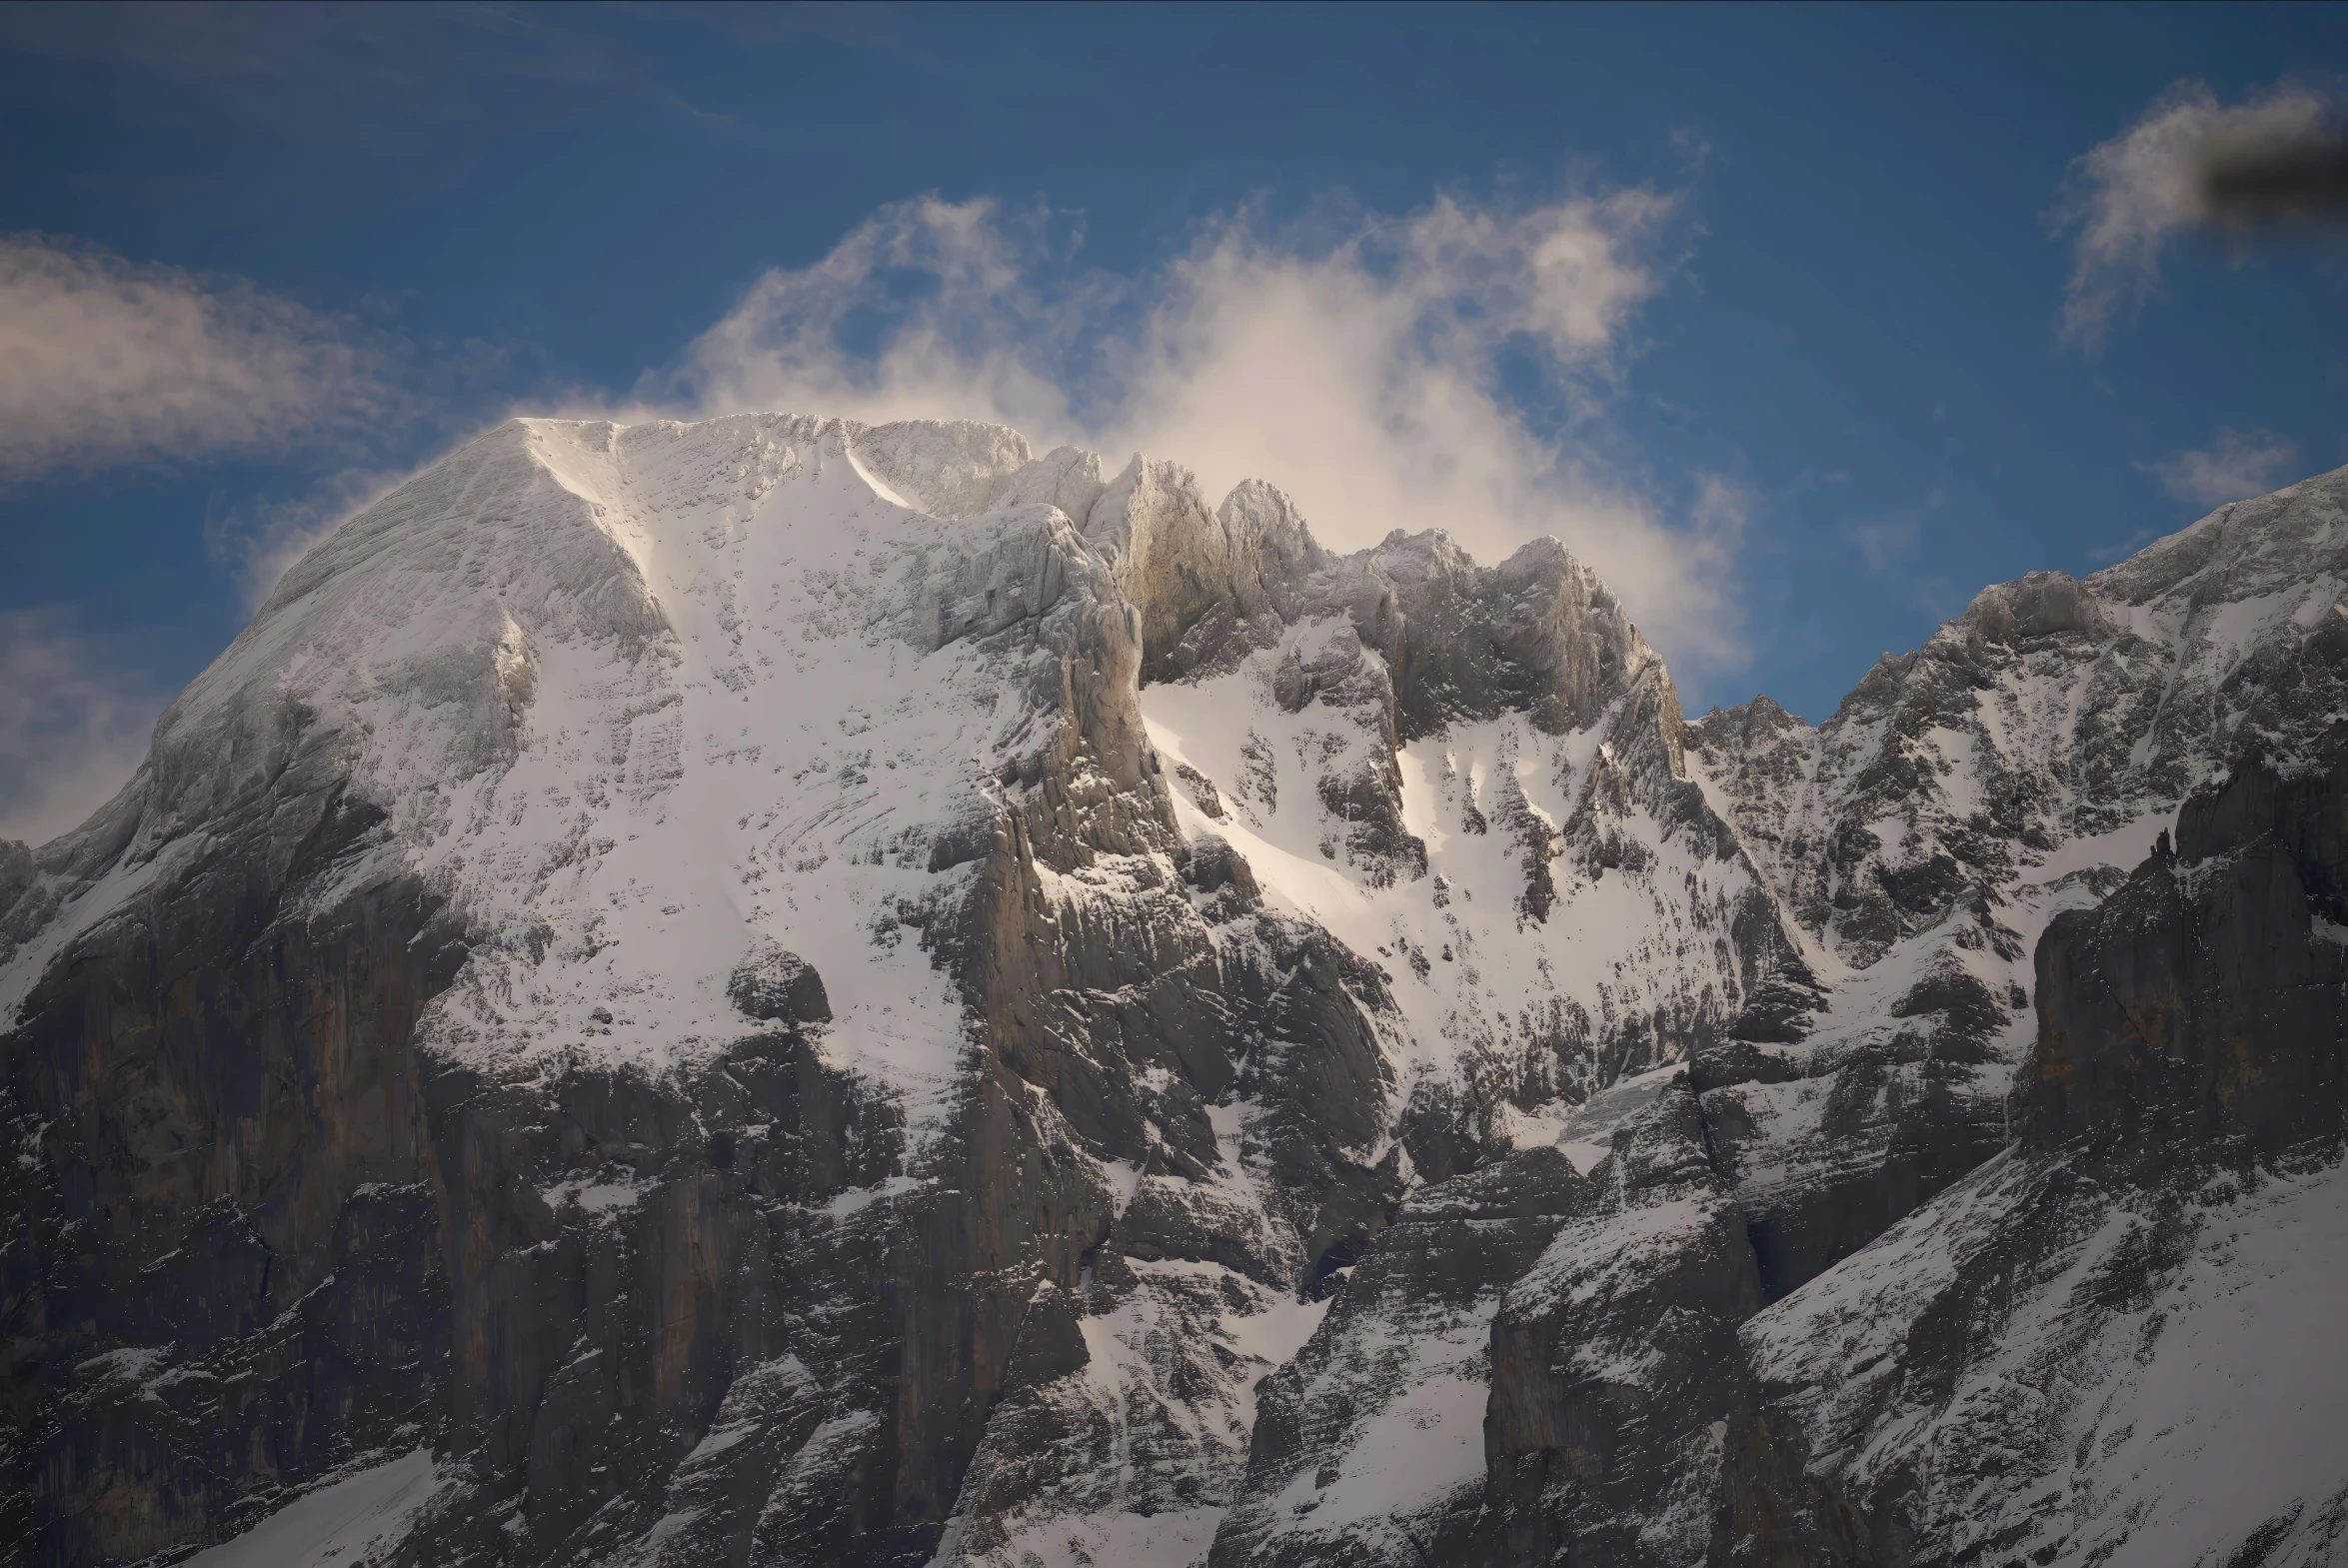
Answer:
x=106 y=360
x=1358 y=367
x=73 y=724
x=2237 y=466
x=2132 y=195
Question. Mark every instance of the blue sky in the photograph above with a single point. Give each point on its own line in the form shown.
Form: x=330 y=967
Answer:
x=1800 y=323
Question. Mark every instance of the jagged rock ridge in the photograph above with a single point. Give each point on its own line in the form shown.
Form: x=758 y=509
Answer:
x=779 y=992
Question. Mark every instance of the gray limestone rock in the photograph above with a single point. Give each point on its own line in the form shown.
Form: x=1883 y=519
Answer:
x=2008 y=1374
x=774 y=984
x=1201 y=1230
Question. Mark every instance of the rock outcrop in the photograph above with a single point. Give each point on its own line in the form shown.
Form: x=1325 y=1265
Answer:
x=2078 y=1354
x=775 y=991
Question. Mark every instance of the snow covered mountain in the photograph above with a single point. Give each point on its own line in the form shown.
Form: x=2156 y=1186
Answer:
x=780 y=991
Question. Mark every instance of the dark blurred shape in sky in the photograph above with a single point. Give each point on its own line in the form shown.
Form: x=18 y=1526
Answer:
x=2286 y=181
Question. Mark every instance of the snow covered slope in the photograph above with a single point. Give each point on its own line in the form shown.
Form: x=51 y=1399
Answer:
x=355 y=1522
x=781 y=992
x=641 y=702
x=756 y=824
x=1551 y=905
x=1963 y=795
x=2105 y=1346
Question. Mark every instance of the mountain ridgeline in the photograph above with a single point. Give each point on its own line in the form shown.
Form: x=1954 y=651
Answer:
x=782 y=992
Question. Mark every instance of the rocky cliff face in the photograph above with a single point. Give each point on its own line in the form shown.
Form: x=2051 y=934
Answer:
x=1963 y=796
x=776 y=991
x=2104 y=1347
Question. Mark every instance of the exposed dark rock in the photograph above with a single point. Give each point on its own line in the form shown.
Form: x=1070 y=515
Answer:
x=1825 y=1296
x=776 y=986
x=2201 y=1006
x=1410 y=1319
x=1978 y=1392
x=223 y=1217
x=16 y=872
x=1780 y=1010
x=1202 y=791
x=1615 y=1364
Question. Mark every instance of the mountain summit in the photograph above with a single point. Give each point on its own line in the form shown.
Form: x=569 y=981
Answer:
x=780 y=991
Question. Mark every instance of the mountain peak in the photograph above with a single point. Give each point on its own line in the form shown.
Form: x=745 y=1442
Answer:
x=798 y=967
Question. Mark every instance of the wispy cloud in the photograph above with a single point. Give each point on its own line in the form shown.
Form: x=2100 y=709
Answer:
x=74 y=724
x=2106 y=554
x=1356 y=362
x=103 y=360
x=2130 y=196
x=2237 y=466
x=257 y=538
x=1884 y=542
x=1892 y=544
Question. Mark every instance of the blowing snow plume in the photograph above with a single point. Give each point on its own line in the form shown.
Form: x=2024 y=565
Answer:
x=1356 y=362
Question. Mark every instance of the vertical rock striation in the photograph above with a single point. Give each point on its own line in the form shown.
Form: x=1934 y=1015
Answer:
x=2076 y=1355
x=775 y=991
